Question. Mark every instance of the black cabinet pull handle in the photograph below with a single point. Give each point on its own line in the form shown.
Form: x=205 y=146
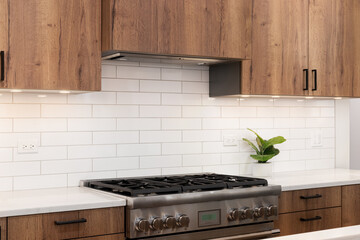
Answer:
x=306 y=71
x=310 y=219
x=311 y=197
x=314 y=73
x=81 y=220
x=0 y=232
x=2 y=67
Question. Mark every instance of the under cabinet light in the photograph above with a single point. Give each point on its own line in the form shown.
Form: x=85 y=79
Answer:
x=240 y=99
x=337 y=98
x=16 y=91
x=245 y=95
x=64 y=92
x=275 y=96
x=309 y=97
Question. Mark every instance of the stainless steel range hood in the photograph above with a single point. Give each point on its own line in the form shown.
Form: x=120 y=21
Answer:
x=131 y=56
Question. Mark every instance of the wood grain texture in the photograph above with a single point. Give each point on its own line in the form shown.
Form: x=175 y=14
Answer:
x=279 y=47
x=290 y=223
x=335 y=46
x=25 y=228
x=107 y=237
x=213 y=28
x=3 y=226
x=291 y=201
x=54 y=44
x=52 y=231
x=4 y=36
x=350 y=205
x=102 y=221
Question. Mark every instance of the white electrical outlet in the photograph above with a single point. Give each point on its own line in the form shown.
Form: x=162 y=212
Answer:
x=28 y=146
x=230 y=140
x=316 y=138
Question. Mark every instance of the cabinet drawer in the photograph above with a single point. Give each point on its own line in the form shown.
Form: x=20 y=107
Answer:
x=307 y=221
x=101 y=221
x=294 y=201
x=3 y=228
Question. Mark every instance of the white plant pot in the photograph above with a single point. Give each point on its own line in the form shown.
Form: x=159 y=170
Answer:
x=262 y=169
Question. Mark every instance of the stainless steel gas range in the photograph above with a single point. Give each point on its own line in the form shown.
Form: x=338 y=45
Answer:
x=195 y=207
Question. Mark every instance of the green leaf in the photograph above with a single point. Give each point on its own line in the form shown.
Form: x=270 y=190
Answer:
x=271 y=150
x=262 y=141
x=262 y=158
x=252 y=145
x=273 y=141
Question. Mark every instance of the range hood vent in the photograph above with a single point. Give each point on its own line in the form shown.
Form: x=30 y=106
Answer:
x=131 y=56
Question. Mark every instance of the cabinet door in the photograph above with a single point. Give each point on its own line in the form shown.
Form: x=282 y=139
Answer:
x=279 y=47
x=350 y=205
x=334 y=54
x=308 y=221
x=53 y=44
x=25 y=228
x=211 y=28
x=3 y=41
x=3 y=228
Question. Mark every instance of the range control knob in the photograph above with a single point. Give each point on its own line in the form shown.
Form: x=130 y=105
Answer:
x=183 y=221
x=170 y=222
x=259 y=212
x=142 y=225
x=271 y=211
x=233 y=214
x=246 y=213
x=157 y=224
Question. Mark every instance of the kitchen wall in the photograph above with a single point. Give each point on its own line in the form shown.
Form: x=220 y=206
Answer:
x=152 y=118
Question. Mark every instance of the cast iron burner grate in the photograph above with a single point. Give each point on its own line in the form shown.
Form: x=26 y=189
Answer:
x=136 y=187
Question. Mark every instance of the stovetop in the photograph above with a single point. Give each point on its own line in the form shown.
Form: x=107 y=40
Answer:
x=137 y=187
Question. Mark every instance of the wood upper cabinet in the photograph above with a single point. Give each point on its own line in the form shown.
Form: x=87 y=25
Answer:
x=69 y=225
x=210 y=28
x=334 y=47
x=51 y=44
x=280 y=47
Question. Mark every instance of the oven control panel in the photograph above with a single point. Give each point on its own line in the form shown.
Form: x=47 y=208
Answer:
x=199 y=216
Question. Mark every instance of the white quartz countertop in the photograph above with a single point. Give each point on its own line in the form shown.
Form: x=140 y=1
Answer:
x=344 y=233
x=315 y=178
x=28 y=202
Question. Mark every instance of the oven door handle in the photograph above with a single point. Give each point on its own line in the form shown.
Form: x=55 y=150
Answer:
x=250 y=235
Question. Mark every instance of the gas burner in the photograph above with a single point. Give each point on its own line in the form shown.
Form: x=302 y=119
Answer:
x=138 y=187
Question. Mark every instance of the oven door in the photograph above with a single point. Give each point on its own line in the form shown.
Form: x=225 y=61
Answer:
x=251 y=231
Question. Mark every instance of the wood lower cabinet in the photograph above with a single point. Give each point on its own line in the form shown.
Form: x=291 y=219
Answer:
x=51 y=44
x=107 y=237
x=308 y=221
x=210 y=28
x=68 y=225
x=3 y=228
x=350 y=205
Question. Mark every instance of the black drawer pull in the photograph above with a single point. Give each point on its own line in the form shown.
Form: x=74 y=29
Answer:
x=2 y=67
x=311 y=197
x=310 y=219
x=81 y=220
x=314 y=72
x=306 y=71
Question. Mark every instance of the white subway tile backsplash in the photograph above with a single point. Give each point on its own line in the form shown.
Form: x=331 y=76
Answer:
x=115 y=137
x=138 y=98
x=91 y=124
x=40 y=124
x=181 y=99
x=66 y=166
x=19 y=110
x=160 y=136
x=126 y=150
x=191 y=111
x=160 y=111
x=91 y=151
x=93 y=98
x=68 y=111
x=138 y=72
x=181 y=123
x=116 y=111
x=151 y=118
x=160 y=86
x=126 y=85
x=66 y=138
x=160 y=161
x=138 y=124
x=118 y=163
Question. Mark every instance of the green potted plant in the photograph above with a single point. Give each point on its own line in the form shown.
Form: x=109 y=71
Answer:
x=265 y=150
